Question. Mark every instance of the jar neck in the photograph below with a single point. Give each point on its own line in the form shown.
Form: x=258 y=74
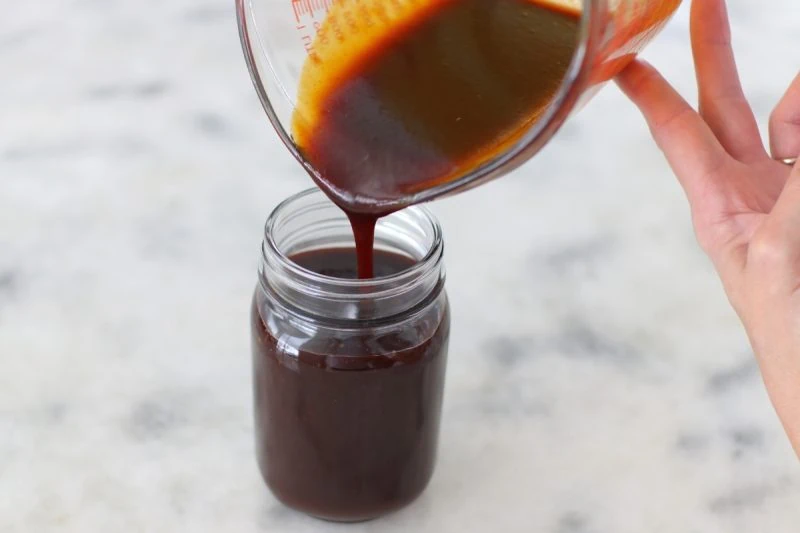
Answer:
x=309 y=221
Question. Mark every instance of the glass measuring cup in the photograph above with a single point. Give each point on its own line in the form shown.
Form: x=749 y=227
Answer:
x=279 y=37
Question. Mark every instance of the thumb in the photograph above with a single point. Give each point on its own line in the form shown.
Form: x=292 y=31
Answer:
x=776 y=246
x=784 y=125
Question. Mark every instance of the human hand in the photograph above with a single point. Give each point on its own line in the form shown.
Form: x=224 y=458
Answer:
x=745 y=203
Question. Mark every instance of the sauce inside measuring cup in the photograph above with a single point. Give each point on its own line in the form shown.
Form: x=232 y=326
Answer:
x=402 y=96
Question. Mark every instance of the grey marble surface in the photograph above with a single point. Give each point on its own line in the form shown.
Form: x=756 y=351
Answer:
x=598 y=381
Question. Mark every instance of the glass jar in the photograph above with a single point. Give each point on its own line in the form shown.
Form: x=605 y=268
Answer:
x=348 y=373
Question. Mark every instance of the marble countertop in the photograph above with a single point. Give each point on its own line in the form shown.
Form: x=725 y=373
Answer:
x=598 y=381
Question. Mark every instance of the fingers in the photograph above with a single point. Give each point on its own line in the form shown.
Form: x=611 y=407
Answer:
x=784 y=125
x=722 y=101
x=691 y=148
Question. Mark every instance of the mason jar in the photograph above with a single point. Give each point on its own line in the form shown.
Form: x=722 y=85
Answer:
x=348 y=373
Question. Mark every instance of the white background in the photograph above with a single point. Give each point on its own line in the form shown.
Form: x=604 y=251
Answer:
x=598 y=381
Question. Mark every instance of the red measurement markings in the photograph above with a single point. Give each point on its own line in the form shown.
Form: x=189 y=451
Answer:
x=308 y=15
x=310 y=8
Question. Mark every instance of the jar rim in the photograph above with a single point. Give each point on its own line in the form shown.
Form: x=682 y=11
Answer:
x=413 y=231
x=419 y=265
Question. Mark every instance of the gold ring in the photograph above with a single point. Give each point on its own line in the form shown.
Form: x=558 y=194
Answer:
x=791 y=161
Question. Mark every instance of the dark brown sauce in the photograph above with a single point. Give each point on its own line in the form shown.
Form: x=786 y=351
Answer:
x=341 y=263
x=344 y=434
x=440 y=95
x=364 y=235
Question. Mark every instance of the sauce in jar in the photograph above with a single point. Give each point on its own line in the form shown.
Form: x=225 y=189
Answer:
x=348 y=400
